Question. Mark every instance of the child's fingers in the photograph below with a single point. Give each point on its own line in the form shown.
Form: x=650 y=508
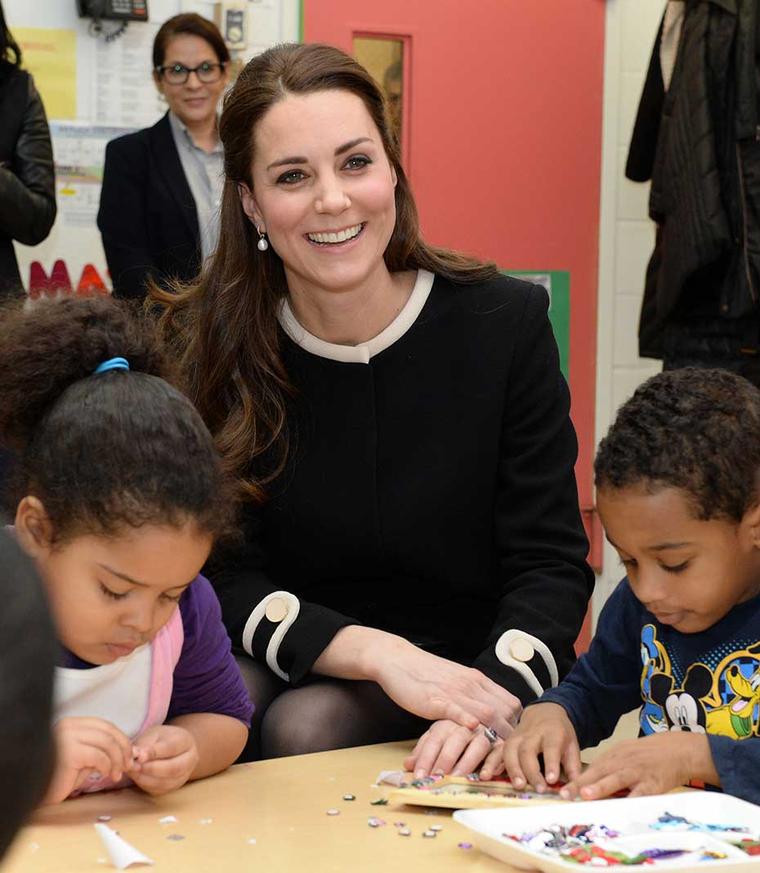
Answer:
x=167 y=768
x=606 y=785
x=512 y=761
x=529 y=752
x=561 y=748
x=602 y=778
x=99 y=733
x=571 y=760
x=91 y=751
x=156 y=784
x=101 y=750
x=494 y=763
x=553 y=751
x=168 y=744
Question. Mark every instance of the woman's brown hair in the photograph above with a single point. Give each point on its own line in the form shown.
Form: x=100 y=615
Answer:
x=225 y=326
x=191 y=24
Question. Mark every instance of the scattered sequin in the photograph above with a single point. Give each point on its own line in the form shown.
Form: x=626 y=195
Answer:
x=464 y=845
x=175 y=837
x=168 y=819
x=430 y=833
x=105 y=817
x=375 y=822
x=381 y=801
x=436 y=828
x=404 y=832
x=399 y=824
x=349 y=797
x=333 y=811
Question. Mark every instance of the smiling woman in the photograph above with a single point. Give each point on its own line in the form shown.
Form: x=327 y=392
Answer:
x=398 y=427
x=162 y=186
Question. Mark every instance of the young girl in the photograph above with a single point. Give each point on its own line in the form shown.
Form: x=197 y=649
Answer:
x=677 y=478
x=120 y=496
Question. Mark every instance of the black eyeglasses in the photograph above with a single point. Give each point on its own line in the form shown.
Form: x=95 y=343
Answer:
x=178 y=74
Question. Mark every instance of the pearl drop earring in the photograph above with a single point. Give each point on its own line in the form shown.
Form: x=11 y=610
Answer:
x=263 y=244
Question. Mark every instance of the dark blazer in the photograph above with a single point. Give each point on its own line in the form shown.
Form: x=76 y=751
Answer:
x=27 y=175
x=147 y=214
x=431 y=494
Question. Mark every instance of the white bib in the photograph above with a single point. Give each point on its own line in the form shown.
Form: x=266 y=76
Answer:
x=117 y=692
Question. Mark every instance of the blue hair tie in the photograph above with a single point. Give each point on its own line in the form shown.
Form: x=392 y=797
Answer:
x=111 y=364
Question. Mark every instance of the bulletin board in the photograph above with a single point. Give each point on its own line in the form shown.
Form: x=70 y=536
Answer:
x=94 y=91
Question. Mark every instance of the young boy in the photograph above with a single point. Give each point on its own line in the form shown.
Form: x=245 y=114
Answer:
x=677 y=482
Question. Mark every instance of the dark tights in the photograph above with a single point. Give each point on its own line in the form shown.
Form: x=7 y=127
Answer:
x=325 y=714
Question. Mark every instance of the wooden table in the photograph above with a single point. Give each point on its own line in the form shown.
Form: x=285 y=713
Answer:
x=268 y=817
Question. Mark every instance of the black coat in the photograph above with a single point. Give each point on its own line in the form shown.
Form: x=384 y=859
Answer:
x=27 y=174
x=431 y=494
x=147 y=214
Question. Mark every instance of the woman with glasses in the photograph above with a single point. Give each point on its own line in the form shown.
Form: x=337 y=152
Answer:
x=162 y=186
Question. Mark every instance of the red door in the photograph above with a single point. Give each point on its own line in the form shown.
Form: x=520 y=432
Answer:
x=501 y=128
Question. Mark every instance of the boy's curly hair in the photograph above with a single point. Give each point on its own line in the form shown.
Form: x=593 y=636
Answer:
x=696 y=430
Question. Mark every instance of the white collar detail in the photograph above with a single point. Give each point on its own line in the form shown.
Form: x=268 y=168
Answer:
x=362 y=353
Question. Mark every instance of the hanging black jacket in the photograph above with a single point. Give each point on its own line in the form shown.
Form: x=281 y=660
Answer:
x=27 y=175
x=698 y=144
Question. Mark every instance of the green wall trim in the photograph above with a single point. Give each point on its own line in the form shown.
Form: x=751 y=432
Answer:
x=557 y=283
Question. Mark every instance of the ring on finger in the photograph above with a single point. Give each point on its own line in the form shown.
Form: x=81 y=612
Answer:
x=491 y=734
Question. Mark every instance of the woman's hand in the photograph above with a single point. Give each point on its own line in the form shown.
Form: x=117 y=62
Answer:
x=438 y=689
x=421 y=683
x=546 y=730
x=87 y=748
x=447 y=747
x=166 y=756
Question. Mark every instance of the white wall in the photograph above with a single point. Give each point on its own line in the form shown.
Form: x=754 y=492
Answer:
x=100 y=66
x=626 y=234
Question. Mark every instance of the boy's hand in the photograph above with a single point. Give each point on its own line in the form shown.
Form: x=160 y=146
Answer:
x=544 y=729
x=87 y=748
x=447 y=747
x=165 y=758
x=648 y=765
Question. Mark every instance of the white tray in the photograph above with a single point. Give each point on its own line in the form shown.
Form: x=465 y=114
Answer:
x=629 y=816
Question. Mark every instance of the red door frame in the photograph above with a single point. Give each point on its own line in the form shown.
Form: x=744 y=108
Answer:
x=509 y=94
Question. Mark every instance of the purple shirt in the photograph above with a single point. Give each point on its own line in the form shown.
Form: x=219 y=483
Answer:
x=206 y=678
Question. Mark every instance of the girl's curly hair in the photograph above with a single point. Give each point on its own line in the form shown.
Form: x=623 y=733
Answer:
x=121 y=448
